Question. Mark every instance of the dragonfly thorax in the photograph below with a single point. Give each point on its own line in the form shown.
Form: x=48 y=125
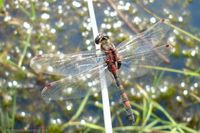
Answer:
x=106 y=45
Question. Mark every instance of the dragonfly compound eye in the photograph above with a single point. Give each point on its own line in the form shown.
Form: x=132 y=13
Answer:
x=101 y=37
x=97 y=40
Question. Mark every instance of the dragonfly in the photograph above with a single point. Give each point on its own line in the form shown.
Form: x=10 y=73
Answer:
x=81 y=70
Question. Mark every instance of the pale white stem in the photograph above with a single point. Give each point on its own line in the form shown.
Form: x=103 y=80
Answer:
x=104 y=90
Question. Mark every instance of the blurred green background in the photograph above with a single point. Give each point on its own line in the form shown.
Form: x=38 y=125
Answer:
x=169 y=103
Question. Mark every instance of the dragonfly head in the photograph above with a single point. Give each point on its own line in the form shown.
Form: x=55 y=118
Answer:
x=100 y=38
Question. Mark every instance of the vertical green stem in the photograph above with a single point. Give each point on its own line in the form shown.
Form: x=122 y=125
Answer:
x=33 y=11
x=13 y=111
x=1 y=4
x=27 y=44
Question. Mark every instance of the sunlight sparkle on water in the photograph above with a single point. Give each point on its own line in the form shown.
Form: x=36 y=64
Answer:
x=45 y=16
x=185 y=92
x=7 y=57
x=170 y=16
x=163 y=89
x=69 y=107
x=148 y=88
x=108 y=26
x=193 y=53
x=53 y=121
x=96 y=94
x=178 y=98
x=7 y=73
x=153 y=90
x=96 y=103
x=133 y=91
x=46 y=4
x=137 y=20
x=15 y=83
x=53 y=31
x=40 y=52
x=89 y=47
x=138 y=94
x=69 y=90
x=76 y=4
x=26 y=25
x=166 y=11
x=90 y=84
x=87 y=42
x=153 y=20
x=7 y=98
x=60 y=11
x=153 y=96
x=113 y=14
x=191 y=88
x=188 y=119
x=196 y=85
x=143 y=92
x=23 y=114
x=83 y=122
x=90 y=118
x=127 y=6
x=182 y=84
x=109 y=33
x=7 y=18
x=60 y=24
x=10 y=84
x=58 y=120
x=29 y=55
x=112 y=103
x=121 y=35
x=61 y=55
x=180 y=19
x=50 y=68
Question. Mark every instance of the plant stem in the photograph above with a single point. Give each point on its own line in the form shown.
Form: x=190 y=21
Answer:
x=189 y=73
x=27 y=44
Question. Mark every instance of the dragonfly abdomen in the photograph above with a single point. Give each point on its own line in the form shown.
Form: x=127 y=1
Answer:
x=125 y=100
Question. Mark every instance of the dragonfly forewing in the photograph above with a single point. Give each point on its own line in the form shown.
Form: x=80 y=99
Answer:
x=66 y=64
x=152 y=37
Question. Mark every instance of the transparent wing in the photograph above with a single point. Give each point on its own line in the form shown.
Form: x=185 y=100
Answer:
x=135 y=66
x=152 y=37
x=147 y=48
x=73 y=87
x=69 y=64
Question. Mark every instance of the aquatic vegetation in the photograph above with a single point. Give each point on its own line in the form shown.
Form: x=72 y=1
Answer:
x=165 y=100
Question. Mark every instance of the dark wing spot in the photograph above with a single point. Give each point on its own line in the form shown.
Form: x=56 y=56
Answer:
x=48 y=86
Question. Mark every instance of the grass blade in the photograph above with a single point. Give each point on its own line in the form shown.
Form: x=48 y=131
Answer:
x=186 y=72
x=1 y=4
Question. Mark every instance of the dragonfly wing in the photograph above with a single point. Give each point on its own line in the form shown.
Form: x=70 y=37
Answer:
x=69 y=64
x=147 y=48
x=142 y=42
x=135 y=65
x=73 y=87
